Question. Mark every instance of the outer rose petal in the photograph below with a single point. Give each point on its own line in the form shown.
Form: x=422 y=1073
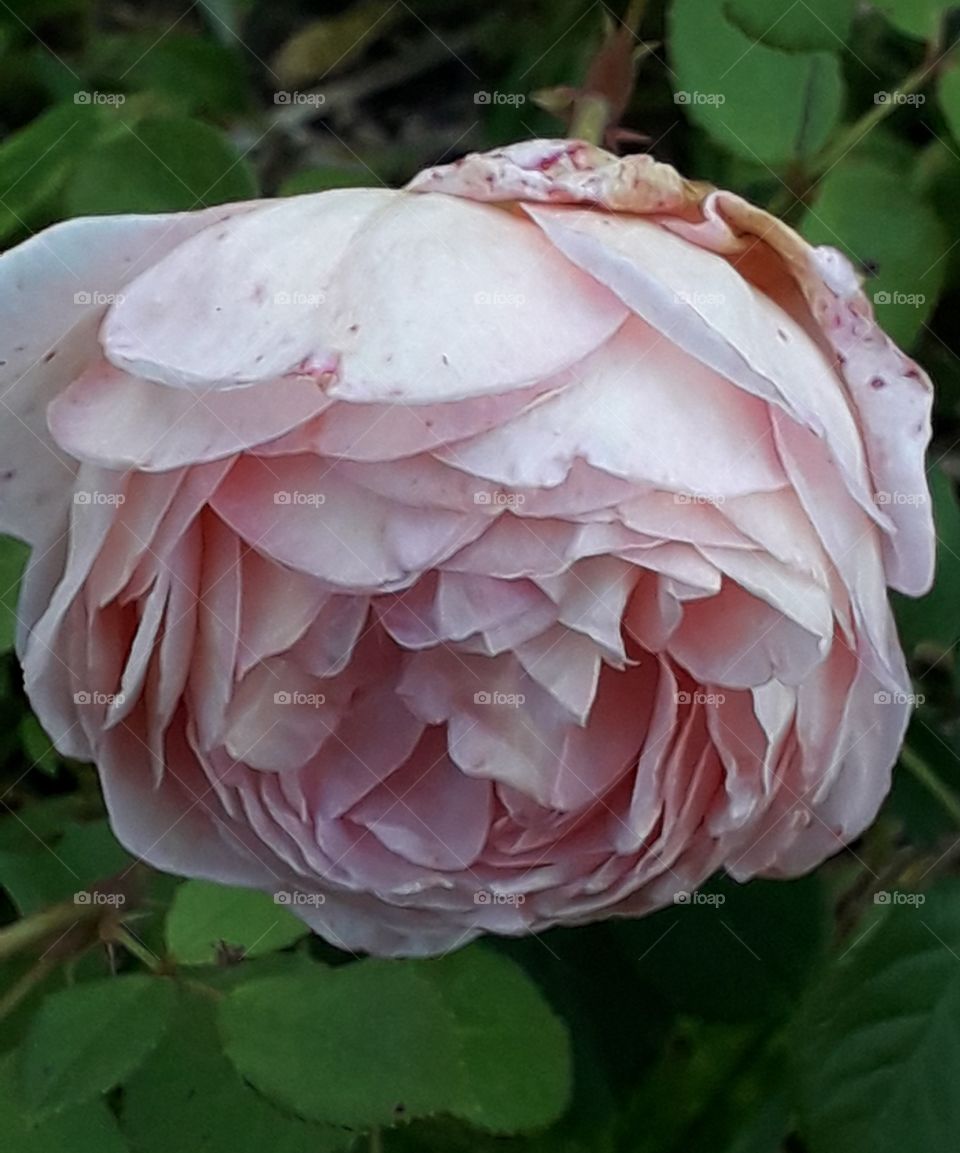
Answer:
x=55 y=289
x=269 y=294
x=108 y=417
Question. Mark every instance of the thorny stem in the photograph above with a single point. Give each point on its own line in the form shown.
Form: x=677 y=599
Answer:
x=31 y=931
x=589 y=121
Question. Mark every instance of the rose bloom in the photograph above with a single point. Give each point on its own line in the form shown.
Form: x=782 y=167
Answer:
x=507 y=551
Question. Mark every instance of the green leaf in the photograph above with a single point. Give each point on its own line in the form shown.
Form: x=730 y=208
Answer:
x=88 y=1128
x=37 y=161
x=13 y=558
x=869 y=211
x=363 y=1045
x=721 y=75
x=37 y=874
x=878 y=1047
x=160 y=165
x=762 y=939
x=935 y=617
x=787 y=24
x=514 y=1051
x=187 y=1087
x=919 y=19
x=203 y=915
x=37 y=746
x=86 y=1038
x=320 y=179
x=194 y=74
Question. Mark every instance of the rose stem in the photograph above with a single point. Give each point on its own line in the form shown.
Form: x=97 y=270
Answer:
x=915 y=764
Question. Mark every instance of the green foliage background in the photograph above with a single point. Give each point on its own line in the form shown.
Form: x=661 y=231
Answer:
x=809 y=1016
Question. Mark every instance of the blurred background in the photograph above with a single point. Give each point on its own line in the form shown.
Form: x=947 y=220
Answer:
x=805 y=1017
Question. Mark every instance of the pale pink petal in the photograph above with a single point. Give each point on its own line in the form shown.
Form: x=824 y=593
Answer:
x=625 y=412
x=109 y=417
x=305 y=513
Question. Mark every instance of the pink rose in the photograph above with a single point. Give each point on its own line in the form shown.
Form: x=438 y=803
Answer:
x=507 y=551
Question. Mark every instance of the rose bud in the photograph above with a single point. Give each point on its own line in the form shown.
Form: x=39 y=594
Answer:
x=507 y=551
